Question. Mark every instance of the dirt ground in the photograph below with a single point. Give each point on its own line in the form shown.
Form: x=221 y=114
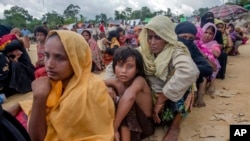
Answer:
x=210 y=123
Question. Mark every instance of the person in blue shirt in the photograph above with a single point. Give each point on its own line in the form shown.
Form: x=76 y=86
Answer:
x=25 y=34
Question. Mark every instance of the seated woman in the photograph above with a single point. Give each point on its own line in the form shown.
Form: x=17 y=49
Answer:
x=97 y=64
x=70 y=103
x=19 y=67
x=211 y=50
x=170 y=71
x=227 y=41
x=133 y=120
x=186 y=32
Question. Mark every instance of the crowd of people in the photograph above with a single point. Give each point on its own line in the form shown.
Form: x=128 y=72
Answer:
x=154 y=74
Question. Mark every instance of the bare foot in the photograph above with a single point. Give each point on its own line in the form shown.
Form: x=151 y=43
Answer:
x=212 y=95
x=211 y=92
x=172 y=135
x=211 y=89
x=199 y=102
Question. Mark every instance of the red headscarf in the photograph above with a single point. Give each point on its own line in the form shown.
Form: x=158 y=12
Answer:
x=6 y=39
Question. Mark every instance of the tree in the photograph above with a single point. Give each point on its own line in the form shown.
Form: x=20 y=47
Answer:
x=71 y=12
x=82 y=18
x=169 y=13
x=136 y=14
x=239 y=2
x=128 y=12
x=17 y=16
x=54 y=19
x=202 y=11
x=146 y=13
x=34 y=23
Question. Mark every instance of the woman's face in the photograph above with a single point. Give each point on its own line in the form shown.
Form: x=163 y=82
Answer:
x=156 y=43
x=86 y=36
x=57 y=63
x=220 y=27
x=208 y=35
x=187 y=36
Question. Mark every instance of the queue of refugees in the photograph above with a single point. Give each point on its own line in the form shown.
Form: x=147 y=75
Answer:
x=153 y=78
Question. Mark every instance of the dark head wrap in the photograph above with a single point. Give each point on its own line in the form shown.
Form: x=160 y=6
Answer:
x=113 y=34
x=4 y=30
x=206 y=18
x=13 y=45
x=185 y=27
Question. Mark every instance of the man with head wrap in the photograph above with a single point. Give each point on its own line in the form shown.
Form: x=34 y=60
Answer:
x=186 y=32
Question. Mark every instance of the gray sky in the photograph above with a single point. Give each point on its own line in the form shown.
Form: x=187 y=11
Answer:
x=90 y=8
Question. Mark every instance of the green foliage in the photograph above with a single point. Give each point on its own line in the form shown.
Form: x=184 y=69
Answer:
x=54 y=19
x=17 y=17
x=202 y=11
x=33 y=24
x=239 y=2
x=71 y=12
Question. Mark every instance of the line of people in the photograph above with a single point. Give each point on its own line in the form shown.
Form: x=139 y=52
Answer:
x=153 y=85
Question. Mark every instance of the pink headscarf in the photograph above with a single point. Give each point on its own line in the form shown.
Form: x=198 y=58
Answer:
x=208 y=47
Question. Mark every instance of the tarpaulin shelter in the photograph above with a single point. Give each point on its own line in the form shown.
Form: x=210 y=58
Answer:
x=225 y=11
x=247 y=6
x=146 y=20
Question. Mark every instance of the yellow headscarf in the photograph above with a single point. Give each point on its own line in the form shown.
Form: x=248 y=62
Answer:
x=84 y=111
x=164 y=28
x=217 y=21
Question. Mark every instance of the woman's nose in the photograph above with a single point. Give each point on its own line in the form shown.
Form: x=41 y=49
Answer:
x=49 y=63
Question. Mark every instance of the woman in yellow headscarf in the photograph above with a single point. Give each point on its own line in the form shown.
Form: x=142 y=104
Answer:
x=70 y=103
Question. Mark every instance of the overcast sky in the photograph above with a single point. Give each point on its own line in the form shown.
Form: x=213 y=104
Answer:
x=90 y=8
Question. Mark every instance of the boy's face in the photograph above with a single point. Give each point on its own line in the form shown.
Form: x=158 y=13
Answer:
x=40 y=37
x=126 y=71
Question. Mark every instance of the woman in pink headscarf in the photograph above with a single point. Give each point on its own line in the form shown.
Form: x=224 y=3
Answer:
x=210 y=49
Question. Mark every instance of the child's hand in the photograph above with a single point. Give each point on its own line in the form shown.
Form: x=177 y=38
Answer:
x=41 y=87
x=117 y=136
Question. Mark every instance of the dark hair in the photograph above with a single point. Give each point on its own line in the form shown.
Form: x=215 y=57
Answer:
x=123 y=53
x=119 y=29
x=219 y=37
x=212 y=28
x=87 y=31
x=42 y=30
x=113 y=34
x=206 y=18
